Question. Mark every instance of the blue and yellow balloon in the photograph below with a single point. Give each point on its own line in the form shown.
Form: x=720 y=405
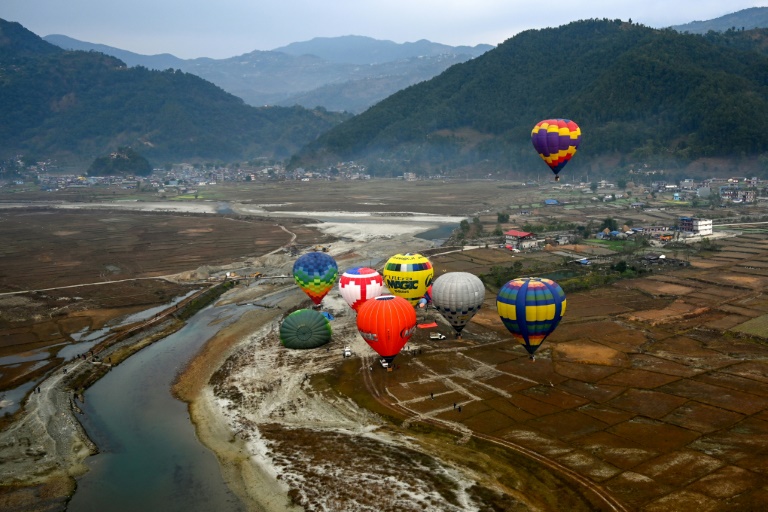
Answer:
x=531 y=308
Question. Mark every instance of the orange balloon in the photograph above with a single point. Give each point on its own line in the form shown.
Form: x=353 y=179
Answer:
x=386 y=323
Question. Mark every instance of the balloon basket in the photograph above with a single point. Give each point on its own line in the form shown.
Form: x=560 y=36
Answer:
x=389 y=369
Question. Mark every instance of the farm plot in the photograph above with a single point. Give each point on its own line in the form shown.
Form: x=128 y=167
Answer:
x=46 y=248
x=641 y=388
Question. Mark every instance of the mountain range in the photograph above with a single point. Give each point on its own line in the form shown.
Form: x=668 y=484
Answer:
x=343 y=74
x=77 y=106
x=638 y=94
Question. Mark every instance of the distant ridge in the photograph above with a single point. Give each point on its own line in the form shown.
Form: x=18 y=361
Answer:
x=367 y=50
x=341 y=74
x=754 y=17
x=161 y=61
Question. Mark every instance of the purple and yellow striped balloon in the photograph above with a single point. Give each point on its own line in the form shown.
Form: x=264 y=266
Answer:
x=556 y=141
x=531 y=308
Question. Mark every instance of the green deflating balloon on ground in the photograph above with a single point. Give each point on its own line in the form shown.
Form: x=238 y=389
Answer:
x=305 y=329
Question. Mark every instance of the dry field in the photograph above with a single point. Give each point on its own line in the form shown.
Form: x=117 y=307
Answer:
x=56 y=254
x=654 y=389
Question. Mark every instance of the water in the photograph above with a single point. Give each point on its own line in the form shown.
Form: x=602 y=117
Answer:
x=223 y=208
x=83 y=345
x=149 y=313
x=439 y=234
x=10 y=400
x=150 y=456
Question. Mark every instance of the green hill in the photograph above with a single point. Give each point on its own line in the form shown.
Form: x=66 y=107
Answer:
x=77 y=105
x=636 y=92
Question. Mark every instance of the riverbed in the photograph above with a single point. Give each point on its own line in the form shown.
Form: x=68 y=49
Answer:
x=150 y=456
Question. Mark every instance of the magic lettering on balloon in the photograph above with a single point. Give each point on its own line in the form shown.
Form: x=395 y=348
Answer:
x=408 y=276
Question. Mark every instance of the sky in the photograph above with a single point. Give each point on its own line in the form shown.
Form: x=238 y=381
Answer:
x=227 y=28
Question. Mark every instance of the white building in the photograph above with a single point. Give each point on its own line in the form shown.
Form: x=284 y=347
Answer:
x=696 y=225
x=702 y=226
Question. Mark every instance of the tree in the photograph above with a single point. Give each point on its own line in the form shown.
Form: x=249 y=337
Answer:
x=610 y=223
x=123 y=161
x=502 y=217
x=593 y=187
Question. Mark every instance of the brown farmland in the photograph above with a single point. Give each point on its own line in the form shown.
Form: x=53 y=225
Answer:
x=652 y=390
x=82 y=269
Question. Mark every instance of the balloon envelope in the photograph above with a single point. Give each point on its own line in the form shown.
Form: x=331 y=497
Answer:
x=556 y=141
x=315 y=273
x=458 y=296
x=305 y=328
x=386 y=323
x=360 y=284
x=531 y=308
x=408 y=276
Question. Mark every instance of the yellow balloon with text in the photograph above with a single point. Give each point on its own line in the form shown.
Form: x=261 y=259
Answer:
x=408 y=276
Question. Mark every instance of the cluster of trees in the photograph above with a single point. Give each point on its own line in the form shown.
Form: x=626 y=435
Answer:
x=634 y=90
x=123 y=161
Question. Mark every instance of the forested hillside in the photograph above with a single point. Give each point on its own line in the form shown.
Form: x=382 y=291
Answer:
x=636 y=92
x=78 y=105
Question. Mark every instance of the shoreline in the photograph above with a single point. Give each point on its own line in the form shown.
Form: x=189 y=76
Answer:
x=240 y=473
x=246 y=466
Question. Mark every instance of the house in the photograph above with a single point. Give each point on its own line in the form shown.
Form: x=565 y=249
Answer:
x=520 y=239
x=687 y=184
x=551 y=202
x=696 y=225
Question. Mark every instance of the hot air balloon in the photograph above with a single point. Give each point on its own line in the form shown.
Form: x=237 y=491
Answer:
x=386 y=323
x=360 y=284
x=531 y=308
x=315 y=273
x=305 y=328
x=426 y=300
x=458 y=296
x=556 y=141
x=408 y=276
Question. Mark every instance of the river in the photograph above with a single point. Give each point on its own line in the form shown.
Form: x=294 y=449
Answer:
x=150 y=456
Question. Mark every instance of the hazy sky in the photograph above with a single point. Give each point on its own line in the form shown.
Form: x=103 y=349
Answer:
x=225 y=28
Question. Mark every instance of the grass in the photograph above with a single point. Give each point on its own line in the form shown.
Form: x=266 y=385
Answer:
x=754 y=327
